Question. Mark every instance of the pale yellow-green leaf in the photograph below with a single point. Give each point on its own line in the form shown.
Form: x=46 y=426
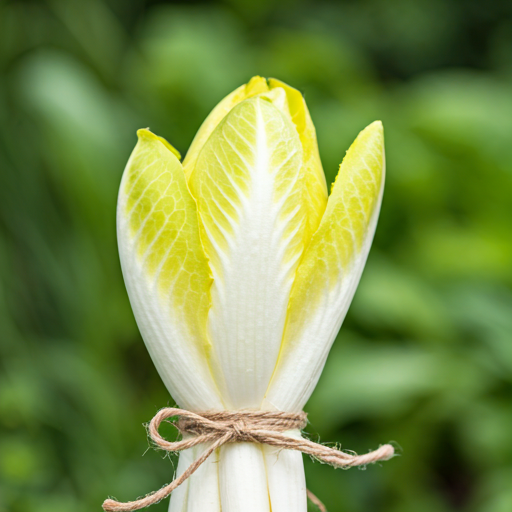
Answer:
x=316 y=189
x=330 y=269
x=256 y=85
x=163 y=223
x=343 y=228
x=249 y=186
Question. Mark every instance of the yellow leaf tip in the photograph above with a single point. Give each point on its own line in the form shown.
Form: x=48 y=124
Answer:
x=374 y=131
x=256 y=85
x=147 y=135
x=375 y=126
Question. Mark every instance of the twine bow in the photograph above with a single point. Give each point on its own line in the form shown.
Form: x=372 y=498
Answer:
x=219 y=428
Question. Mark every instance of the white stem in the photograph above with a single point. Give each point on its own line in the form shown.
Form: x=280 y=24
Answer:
x=204 y=494
x=243 y=478
x=286 y=479
x=179 y=496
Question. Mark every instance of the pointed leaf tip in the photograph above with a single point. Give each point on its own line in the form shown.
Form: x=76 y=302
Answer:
x=146 y=134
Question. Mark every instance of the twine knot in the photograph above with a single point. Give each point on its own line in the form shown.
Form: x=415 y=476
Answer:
x=221 y=427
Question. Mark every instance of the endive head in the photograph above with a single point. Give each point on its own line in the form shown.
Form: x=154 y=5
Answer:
x=238 y=266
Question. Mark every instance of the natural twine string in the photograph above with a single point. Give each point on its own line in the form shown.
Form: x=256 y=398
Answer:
x=219 y=428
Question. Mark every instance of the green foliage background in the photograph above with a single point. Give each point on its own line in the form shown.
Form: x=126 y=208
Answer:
x=425 y=355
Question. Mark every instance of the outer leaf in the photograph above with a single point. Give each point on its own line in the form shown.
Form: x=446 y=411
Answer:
x=165 y=270
x=249 y=187
x=329 y=272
